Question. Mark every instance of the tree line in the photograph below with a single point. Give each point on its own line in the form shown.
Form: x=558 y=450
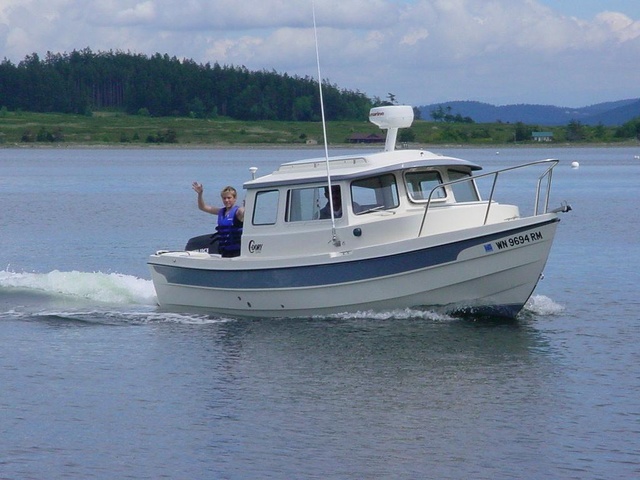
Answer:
x=83 y=81
x=574 y=131
x=442 y=114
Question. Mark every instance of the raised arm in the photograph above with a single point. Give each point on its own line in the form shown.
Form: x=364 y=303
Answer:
x=199 y=189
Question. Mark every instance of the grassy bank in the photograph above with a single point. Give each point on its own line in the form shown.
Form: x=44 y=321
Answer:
x=110 y=129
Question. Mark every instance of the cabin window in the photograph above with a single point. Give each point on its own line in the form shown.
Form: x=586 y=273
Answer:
x=374 y=193
x=265 y=211
x=421 y=183
x=312 y=203
x=463 y=191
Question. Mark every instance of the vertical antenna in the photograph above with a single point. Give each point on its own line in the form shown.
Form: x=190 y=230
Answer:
x=334 y=234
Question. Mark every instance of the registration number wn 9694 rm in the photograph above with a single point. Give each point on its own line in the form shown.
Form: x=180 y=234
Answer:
x=519 y=240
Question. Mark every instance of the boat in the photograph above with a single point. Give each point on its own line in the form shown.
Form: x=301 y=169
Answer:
x=413 y=229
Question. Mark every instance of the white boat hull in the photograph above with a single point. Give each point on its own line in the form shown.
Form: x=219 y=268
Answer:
x=491 y=270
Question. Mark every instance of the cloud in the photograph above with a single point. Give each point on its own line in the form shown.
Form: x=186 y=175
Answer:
x=422 y=50
x=621 y=26
x=414 y=36
x=144 y=12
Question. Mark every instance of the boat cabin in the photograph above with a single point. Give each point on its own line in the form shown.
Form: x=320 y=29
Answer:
x=378 y=198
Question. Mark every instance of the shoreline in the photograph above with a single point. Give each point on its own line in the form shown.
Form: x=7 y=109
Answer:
x=289 y=146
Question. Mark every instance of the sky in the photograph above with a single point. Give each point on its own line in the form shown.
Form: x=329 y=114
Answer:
x=569 y=53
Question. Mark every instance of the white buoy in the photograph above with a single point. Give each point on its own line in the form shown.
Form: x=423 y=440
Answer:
x=575 y=164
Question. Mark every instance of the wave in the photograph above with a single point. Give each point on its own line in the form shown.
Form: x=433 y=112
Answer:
x=543 y=306
x=87 y=298
x=138 y=316
x=108 y=288
x=398 y=314
x=538 y=305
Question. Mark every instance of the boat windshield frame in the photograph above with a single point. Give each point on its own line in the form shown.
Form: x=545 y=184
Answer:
x=546 y=175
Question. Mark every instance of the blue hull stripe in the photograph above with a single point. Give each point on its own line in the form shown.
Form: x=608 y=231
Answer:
x=327 y=274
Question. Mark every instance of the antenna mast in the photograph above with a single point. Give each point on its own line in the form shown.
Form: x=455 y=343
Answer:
x=334 y=235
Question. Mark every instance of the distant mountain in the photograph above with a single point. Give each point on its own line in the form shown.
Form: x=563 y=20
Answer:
x=608 y=113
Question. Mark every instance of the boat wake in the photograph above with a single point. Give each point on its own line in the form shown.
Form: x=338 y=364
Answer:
x=109 y=288
x=399 y=314
x=87 y=297
x=539 y=305
x=543 y=306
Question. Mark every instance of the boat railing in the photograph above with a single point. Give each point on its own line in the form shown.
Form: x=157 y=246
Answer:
x=543 y=183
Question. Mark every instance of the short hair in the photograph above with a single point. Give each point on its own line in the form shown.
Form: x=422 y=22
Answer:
x=335 y=191
x=229 y=189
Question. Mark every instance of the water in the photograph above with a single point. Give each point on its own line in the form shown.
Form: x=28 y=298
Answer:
x=97 y=383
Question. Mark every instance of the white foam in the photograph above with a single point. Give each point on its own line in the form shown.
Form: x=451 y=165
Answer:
x=137 y=315
x=542 y=305
x=180 y=318
x=398 y=314
x=114 y=288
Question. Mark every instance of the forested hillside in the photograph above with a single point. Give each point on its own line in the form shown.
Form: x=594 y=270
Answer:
x=608 y=113
x=83 y=81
